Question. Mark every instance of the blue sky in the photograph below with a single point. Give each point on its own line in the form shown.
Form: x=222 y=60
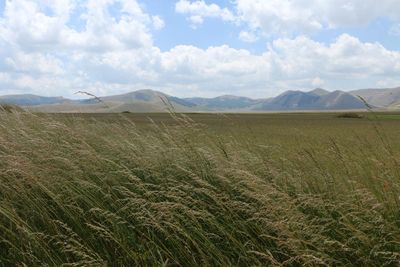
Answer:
x=215 y=32
x=255 y=48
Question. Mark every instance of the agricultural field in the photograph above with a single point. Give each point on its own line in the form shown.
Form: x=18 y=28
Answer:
x=277 y=189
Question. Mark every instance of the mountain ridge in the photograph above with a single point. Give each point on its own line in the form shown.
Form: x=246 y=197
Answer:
x=148 y=100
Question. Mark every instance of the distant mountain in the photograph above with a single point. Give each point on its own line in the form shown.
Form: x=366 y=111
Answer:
x=290 y=100
x=153 y=101
x=318 y=99
x=223 y=102
x=379 y=97
x=30 y=100
x=145 y=95
x=146 y=100
x=138 y=101
x=339 y=100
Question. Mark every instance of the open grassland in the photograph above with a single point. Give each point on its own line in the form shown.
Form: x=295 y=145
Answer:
x=199 y=190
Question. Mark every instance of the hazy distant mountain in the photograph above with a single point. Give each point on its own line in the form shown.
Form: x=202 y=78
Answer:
x=223 y=102
x=290 y=100
x=138 y=101
x=30 y=100
x=379 y=97
x=153 y=101
x=339 y=100
x=146 y=101
x=317 y=99
x=148 y=96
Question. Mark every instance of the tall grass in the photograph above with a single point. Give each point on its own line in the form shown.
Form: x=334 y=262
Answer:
x=83 y=192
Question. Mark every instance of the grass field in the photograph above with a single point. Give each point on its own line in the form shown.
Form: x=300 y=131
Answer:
x=199 y=190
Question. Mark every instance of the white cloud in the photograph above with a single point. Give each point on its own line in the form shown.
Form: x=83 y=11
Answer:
x=346 y=57
x=195 y=20
x=248 y=37
x=355 y=12
x=40 y=45
x=198 y=10
x=34 y=63
x=288 y=17
x=42 y=52
x=277 y=17
x=158 y=22
x=299 y=63
x=27 y=25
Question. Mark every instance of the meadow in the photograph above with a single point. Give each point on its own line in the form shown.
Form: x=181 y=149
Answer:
x=295 y=189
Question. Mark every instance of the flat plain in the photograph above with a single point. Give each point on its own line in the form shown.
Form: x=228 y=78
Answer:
x=280 y=189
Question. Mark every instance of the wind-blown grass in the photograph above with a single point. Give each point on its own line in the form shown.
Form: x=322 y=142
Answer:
x=85 y=192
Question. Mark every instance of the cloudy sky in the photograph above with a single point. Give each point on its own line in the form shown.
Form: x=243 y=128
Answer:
x=255 y=48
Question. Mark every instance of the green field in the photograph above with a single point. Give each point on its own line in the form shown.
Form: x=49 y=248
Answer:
x=305 y=189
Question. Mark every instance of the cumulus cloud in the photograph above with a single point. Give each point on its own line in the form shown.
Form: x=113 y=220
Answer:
x=286 y=64
x=29 y=25
x=40 y=42
x=278 y=17
x=289 y=18
x=198 y=10
x=158 y=22
x=346 y=57
x=42 y=51
x=248 y=37
x=284 y=17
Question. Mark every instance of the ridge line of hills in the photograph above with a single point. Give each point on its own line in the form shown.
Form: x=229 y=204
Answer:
x=153 y=101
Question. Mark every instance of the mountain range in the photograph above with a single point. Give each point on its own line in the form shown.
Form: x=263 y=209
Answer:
x=153 y=101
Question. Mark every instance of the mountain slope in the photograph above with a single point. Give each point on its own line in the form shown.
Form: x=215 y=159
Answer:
x=379 y=97
x=340 y=100
x=156 y=101
x=290 y=100
x=314 y=100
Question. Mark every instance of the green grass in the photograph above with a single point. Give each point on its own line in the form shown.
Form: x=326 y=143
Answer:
x=385 y=116
x=210 y=190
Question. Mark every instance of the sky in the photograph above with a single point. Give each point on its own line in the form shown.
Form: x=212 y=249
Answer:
x=253 y=48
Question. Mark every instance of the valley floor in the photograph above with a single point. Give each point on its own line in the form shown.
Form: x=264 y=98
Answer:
x=289 y=189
